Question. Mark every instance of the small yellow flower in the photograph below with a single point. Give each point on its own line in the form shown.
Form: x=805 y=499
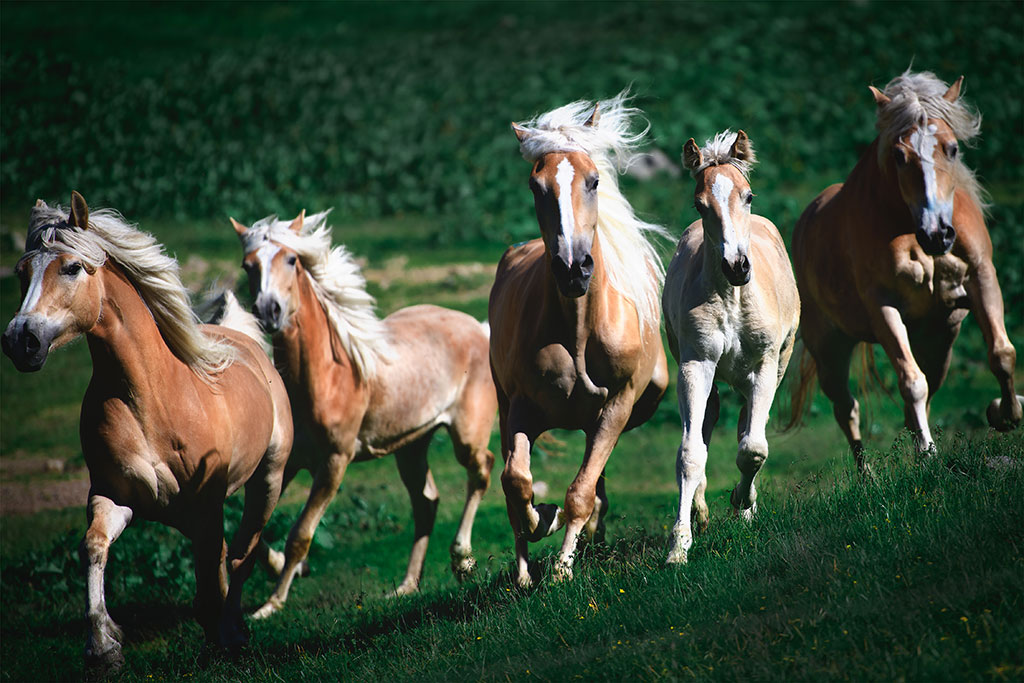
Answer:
x=621 y=591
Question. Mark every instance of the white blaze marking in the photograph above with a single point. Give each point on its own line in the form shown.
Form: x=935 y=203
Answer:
x=722 y=191
x=266 y=254
x=35 y=287
x=924 y=141
x=563 y=179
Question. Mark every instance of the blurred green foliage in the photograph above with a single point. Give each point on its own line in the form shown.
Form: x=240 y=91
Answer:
x=393 y=109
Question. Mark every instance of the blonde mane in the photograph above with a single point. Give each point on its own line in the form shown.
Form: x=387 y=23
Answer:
x=338 y=283
x=628 y=253
x=152 y=272
x=917 y=97
x=717 y=151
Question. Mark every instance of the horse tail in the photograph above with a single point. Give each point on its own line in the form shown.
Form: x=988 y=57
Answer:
x=868 y=376
x=800 y=388
x=223 y=309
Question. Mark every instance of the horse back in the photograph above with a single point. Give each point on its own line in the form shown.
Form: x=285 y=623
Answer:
x=439 y=356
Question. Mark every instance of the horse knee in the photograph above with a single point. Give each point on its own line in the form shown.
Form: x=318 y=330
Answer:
x=914 y=387
x=752 y=454
x=518 y=486
x=1002 y=359
x=690 y=462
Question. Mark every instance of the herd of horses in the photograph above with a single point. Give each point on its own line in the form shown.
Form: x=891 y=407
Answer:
x=179 y=415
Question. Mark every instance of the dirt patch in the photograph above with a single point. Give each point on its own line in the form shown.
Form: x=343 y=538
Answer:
x=396 y=270
x=29 y=498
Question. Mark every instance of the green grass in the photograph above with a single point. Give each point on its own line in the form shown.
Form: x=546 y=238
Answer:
x=397 y=115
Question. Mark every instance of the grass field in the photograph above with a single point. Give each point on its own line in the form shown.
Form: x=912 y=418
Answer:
x=397 y=115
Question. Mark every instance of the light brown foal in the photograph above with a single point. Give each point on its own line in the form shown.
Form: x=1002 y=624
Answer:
x=176 y=417
x=575 y=341
x=898 y=255
x=362 y=388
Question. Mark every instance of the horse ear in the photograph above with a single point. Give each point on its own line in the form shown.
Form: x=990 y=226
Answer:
x=296 y=225
x=79 y=211
x=741 y=149
x=954 y=90
x=881 y=99
x=595 y=117
x=522 y=134
x=692 y=158
x=239 y=228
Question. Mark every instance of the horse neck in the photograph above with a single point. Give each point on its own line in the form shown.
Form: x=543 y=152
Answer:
x=877 y=187
x=303 y=350
x=125 y=343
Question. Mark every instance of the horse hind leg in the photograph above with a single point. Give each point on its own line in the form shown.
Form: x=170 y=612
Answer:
x=832 y=353
x=106 y=522
x=419 y=482
x=478 y=461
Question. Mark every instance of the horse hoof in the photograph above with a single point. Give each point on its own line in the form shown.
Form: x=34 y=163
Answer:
x=1003 y=421
x=523 y=580
x=551 y=520
x=108 y=661
x=562 y=572
x=676 y=556
x=265 y=611
x=463 y=567
x=747 y=513
x=404 y=588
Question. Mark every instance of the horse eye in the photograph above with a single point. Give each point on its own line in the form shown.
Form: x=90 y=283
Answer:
x=592 y=185
x=71 y=269
x=750 y=198
x=291 y=260
x=952 y=150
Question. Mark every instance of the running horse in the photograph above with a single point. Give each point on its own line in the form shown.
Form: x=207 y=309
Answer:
x=177 y=416
x=898 y=255
x=731 y=312
x=362 y=387
x=575 y=339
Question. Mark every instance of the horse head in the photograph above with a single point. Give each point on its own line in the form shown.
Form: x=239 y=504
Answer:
x=564 y=186
x=60 y=297
x=924 y=154
x=273 y=272
x=723 y=198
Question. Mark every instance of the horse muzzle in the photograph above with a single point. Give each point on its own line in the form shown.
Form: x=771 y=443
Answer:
x=573 y=281
x=737 y=272
x=27 y=343
x=937 y=241
x=270 y=313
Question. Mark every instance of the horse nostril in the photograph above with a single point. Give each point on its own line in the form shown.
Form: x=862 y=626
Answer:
x=275 y=310
x=31 y=342
x=744 y=265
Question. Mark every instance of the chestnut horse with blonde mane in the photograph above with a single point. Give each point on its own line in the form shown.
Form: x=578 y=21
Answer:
x=177 y=416
x=898 y=255
x=731 y=312
x=362 y=388
x=575 y=339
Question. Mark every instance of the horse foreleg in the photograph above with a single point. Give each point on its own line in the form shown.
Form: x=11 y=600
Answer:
x=891 y=332
x=581 y=498
x=106 y=522
x=700 y=516
x=1003 y=413
x=271 y=559
x=261 y=495
x=208 y=550
x=694 y=388
x=831 y=351
x=529 y=522
x=753 y=442
x=594 y=529
x=325 y=486
x=419 y=482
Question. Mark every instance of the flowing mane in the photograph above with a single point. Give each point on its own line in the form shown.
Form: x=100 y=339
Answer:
x=917 y=97
x=717 y=151
x=610 y=144
x=152 y=272
x=338 y=284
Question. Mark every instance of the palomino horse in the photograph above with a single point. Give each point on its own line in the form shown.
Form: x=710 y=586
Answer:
x=898 y=255
x=575 y=340
x=177 y=416
x=731 y=309
x=362 y=388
